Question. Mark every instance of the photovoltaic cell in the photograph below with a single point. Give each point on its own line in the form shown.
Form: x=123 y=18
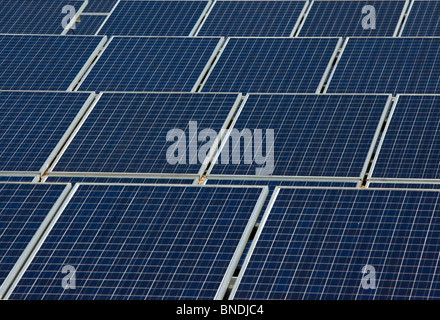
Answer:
x=35 y=16
x=16 y=179
x=154 y=18
x=388 y=65
x=89 y=25
x=345 y=18
x=43 y=62
x=302 y=135
x=23 y=207
x=271 y=65
x=147 y=133
x=252 y=18
x=316 y=242
x=32 y=124
x=150 y=64
x=404 y=185
x=410 y=148
x=73 y=180
x=100 y=6
x=423 y=19
x=141 y=242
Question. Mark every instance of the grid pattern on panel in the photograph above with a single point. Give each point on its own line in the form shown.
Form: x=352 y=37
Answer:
x=146 y=133
x=73 y=180
x=316 y=242
x=32 y=124
x=388 y=65
x=313 y=135
x=271 y=65
x=344 y=19
x=23 y=208
x=154 y=18
x=100 y=6
x=43 y=62
x=403 y=185
x=141 y=242
x=423 y=20
x=89 y=25
x=150 y=64
x=34 y=16
x=252 y=18
x=16 y=179
x=410 y=148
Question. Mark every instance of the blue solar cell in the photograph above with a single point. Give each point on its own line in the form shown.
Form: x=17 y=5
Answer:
x=316 y=242
x=303 y=135
x=423 y=19
x=252 y=18
x=345 y=19
x=147 y=133
x=403 y=185
x=32 y=124
x=43 y=62
x=73 y=180
x=151 y=64
x=88 y=25
x=36 y=16
x=16 y=179
x=388 y=65
x=410 y=148
x=23 y=207
x=271 y=65
x=154 y=18
x=141 y=242
x=100 y=6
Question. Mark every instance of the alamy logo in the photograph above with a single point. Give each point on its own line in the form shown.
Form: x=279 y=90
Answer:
x=185 y=149
x=369 y=21
x=71 y=12
x=369 y=277
x=69 y=281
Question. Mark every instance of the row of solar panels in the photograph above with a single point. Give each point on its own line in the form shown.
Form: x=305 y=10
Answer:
x=184 y=242
x=189 y=135
x=223 y=18
x=247 y=65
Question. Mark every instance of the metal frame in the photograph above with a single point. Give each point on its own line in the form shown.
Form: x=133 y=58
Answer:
x=87 y=65
x=108 y=16
x=202 y=17
x=306 y=14
x=197 y=175
x=370 y=176
x=301 y=18
x=122 y=176
x=341 y=52
x=242 y=244
x=29 y=252
x=404 y=14
x=329 y=67
x=63 y=139
x=301 y=178
x=75 y=17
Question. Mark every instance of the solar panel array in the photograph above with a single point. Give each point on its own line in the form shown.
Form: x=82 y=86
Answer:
x=219 y=149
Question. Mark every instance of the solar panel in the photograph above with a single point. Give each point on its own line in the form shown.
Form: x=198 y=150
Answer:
x=403 y=185
x=388 y=65
x=100 y=6
x=314 y=136
x=125 y=180
x=16 y=179
x=157 y=134
x=410 y=146
x=252 y=18
x=44 y=62
x=143 y=242
x=23 y=210
x=89 y=24
x=422 y=19
x=350 y=19
x=155 y=18
x=33 y=126
x=271 y=65
x=38 y=16
x=151 y=64
x=316 y=243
